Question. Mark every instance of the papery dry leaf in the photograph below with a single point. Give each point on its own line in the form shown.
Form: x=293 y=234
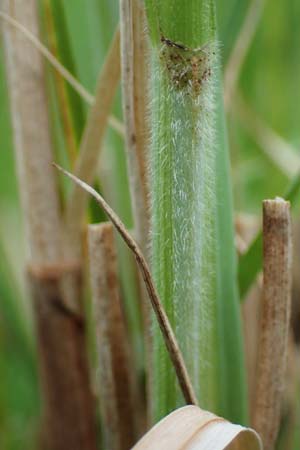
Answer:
x=190 y=428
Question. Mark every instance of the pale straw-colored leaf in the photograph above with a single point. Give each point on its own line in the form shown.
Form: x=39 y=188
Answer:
x=134 y=86
x=191 y=428
x=59 y=67
x=63 y=365
x=90 y=147
x=115 y=368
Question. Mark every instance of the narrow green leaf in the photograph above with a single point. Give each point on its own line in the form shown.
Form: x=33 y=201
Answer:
x=66 y=57
x=234 y=406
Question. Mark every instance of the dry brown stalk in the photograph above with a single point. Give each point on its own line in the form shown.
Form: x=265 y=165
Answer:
x=251 y=326
x=64 y=369
x=86 y=164
x=133 y=59
x=68 y=405
x=163 y=321
x=134 y=52
x=275 y=319
x=140 y=96
x=116 y=389
x=291 y=404
x=60 y=68
x=25 y=78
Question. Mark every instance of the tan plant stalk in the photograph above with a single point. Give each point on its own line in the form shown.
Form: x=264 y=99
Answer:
x=116 y=388
x=32 y=139
x=133 y=53
x=86 y=164
x=134 y=91
x=60 y=336
x=275 y=319
x=76 y=85
x=291 y=403
x=163 y=321
x=140 y=74
x=251 y=308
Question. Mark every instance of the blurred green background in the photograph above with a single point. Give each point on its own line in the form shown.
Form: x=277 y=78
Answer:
x=269 y=88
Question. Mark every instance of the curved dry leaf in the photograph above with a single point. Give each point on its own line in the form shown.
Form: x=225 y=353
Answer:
x=190 y=428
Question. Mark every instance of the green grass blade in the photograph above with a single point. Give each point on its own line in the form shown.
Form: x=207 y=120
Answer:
x=67 y=59
x=230 y=19
x=234 y=405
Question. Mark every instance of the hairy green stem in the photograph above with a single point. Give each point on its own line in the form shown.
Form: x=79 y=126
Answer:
x=186 y=256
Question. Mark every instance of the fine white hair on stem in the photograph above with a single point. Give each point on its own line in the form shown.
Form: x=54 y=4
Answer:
x=183 y=203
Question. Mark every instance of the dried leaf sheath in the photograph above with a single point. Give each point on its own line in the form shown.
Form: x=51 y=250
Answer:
x=133 y=60
x=60 y=68
x=64 y=377
x=28 y=104
x=134 y=52
x=117 y=393
x=63 y=364
x=275 y=319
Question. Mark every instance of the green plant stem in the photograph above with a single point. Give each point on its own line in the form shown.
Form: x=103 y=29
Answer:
x=185 y=194
x=181 y=204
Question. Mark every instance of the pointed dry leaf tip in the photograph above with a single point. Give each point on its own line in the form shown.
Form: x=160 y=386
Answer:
x=191 y=428
x=165 y=326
